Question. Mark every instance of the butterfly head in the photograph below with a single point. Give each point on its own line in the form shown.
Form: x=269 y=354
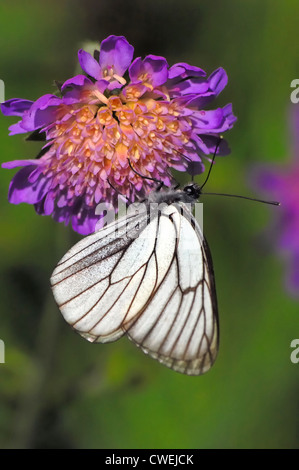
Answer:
x=188 y=194
x=192 y=190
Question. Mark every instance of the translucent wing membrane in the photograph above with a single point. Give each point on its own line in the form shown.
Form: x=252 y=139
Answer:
x=93 y=292
x=152 y=280
x=179 y=326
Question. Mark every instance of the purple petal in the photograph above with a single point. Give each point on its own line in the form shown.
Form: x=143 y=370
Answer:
x=17 y=163
x=179 y=166
x=116 y=54
x=15 y=107
x=78 y=80
x=74 y=94
x=218 y=80
x=89 y=65
x=208 y=120
x=41 y=113
x=114 y=85
x=33 y=177
x=102 y=85
x=155 y=67
x=71 y=97
x=184 y=70
x=62 y=214
x=135 y=69
x=84 y=221
x=17 y=129
x=199 y=101
x=21 y=190
x=45 y=101
x=49 y=204
x=46 y=205
x=192 y=86
x=229 y=115
x=214 y=121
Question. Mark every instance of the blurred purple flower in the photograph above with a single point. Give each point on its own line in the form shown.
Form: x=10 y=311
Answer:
x=143 y=111
x=281 y=183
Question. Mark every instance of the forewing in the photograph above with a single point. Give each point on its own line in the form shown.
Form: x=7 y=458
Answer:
x=103 y=282
x=179 y=326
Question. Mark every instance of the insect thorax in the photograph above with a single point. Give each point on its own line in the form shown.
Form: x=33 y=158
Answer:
x=189 y=194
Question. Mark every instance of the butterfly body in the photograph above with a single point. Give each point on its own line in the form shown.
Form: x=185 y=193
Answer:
x=149 y=276
x=189 y=194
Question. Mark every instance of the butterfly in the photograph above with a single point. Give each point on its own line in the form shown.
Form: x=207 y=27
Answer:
x=149 y=276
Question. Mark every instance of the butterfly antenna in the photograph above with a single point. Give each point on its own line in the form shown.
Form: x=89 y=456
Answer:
x=159 y=183
x=142 y=176
x=212 y=162
x=116 y=190
x=273 y=203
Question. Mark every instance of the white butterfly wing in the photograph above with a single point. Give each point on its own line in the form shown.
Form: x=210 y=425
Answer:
x=105 y=280
x=153 y=281
x=179 y=327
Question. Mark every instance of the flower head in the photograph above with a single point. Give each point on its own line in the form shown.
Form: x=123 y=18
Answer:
x=120 y=112
x=282 y=184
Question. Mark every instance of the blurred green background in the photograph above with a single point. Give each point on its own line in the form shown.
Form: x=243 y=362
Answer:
x=56 y=389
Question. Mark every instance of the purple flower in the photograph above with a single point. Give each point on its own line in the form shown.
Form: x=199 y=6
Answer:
x=281 y=183
x=143 y=111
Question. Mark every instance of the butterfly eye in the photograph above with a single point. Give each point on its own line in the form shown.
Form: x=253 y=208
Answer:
x=189 y=190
